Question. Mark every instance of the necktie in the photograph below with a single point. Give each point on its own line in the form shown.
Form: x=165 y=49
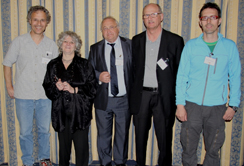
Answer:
x=113 y=72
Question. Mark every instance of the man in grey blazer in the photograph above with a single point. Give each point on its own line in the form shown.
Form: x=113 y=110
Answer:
x=111 y=59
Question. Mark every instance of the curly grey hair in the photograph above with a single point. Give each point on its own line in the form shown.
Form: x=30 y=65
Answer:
x=76 y=39
x=109 y=17
x=36 y=8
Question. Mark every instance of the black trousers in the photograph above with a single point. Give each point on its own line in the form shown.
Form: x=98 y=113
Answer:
x=80 y=139
x=150 y=106
x=169 y=135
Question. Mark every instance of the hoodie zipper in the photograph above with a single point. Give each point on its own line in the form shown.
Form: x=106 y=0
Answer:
x=210 y=55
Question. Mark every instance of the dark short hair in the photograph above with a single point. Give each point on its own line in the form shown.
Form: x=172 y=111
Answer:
x=36 y=8
x=76 y=39
x=212 y=6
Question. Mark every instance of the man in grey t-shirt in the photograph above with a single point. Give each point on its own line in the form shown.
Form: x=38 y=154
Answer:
x=31 y=52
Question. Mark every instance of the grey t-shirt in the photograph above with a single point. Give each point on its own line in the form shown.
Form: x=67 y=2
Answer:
x=31 y=62
x=150 y=77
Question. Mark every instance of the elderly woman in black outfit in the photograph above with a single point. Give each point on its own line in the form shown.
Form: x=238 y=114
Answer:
x=70 y=84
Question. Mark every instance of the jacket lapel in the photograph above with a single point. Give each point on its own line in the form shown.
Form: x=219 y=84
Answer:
x=162 y=52
x=101 y=49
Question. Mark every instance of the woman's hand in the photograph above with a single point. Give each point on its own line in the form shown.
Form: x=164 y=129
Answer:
x=60 y=85
x=67 y=87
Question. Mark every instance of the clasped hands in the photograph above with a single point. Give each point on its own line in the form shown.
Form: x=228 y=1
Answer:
x=64 y=86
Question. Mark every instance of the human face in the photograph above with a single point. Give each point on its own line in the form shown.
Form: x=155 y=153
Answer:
x=110 y=30
x=150 y=22
x=210 y=26
x=38 y=22
x=68 y=46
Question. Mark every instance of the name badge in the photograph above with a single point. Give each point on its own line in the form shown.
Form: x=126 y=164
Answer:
x=210 y=61
x=119 y=62
x=45 y=60
x=162 y=64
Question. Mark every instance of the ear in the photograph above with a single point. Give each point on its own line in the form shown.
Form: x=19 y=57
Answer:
x=219 y=22
x=200 y=23
x=162 y=17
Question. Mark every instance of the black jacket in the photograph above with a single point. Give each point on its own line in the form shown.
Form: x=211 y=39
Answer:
x=170 y=48
x=76 y=107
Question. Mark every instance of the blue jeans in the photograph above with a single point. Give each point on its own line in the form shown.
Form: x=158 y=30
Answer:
x=25 y=110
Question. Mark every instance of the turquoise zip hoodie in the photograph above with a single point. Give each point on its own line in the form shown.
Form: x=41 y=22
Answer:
x=206 y=84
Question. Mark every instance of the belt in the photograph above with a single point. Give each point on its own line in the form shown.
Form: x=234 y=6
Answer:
x=150 y=89
x=117 y=96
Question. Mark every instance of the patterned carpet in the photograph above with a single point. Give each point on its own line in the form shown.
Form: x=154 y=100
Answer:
x=96 y=163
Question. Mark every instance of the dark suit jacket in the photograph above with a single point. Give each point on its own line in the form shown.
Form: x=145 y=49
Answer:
x=170 y=47
x=97 y=59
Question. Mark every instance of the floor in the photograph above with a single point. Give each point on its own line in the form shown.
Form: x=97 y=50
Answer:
x=96 y=163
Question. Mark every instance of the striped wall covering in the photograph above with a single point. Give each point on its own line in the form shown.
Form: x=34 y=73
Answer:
x=84 y=17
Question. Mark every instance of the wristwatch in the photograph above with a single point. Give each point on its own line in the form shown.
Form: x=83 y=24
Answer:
x=234 y=108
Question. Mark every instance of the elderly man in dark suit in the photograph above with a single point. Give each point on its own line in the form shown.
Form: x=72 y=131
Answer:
x=155 y=58
x=111 y=59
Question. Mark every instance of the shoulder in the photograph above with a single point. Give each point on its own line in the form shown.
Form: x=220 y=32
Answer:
x=97 y=44
x=82 y=63
x=124 y=39
x=193 y=41
x=138 y=36
x=228 y=42
x=171 y=35
x=22 y=38
x=54 y=61
x=48 y=40
x=80 y=60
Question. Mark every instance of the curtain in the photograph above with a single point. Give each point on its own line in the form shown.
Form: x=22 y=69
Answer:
x=84 y=17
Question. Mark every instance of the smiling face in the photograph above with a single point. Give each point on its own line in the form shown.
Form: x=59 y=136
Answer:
x=150 y=22
x=38 y=22
x=210 y=26
x=110 y=30
x=68 y=46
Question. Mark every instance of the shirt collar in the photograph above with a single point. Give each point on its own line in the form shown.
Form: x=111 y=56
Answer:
x=116 y=42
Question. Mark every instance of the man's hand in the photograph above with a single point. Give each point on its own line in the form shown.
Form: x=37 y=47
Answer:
x=11 y=92
x=181 y=113
x=8 y=80
x=229 y=114
x=104 y=77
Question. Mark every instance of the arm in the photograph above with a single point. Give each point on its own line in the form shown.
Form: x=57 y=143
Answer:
x=8 y=81
x=50 y=84
x=100 y=76
x=87 y=90
x=182 y=77
x=234 y=83
x=180 y=46
x=234 y=77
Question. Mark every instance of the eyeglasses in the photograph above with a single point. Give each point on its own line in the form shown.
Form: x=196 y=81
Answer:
x=109 y=28
x=205 y=18
x=153 y=15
